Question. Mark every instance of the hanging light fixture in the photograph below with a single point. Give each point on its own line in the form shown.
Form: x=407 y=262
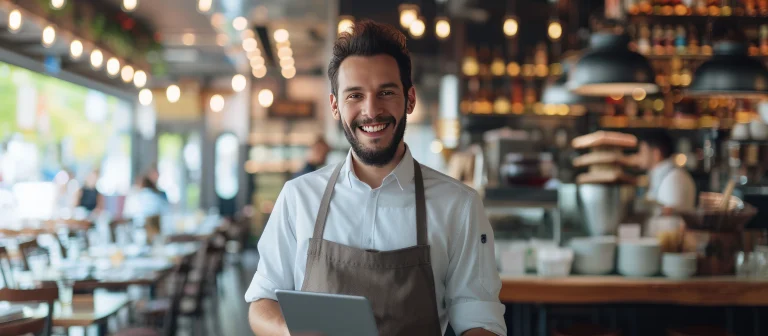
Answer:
x=266 y=98
x=239 y=83
x=555 y=30
x=127 y=74
x=97 y=59
x=204 y=6
x=217 y=103
x=259 y=72
x=557 y=93
x=288 y=73
x=173 y=93
x=113 y=66
x=58 y=4
x=145 y=97
x=281 y=35
x=76 y=49
x=417 y=28
x=140 y=78
x=240 y=23
x=130 y=5
x=346 y=23
x=408 y=14
x=14 y=21
x=49 y=36
x=442 y=28
x=730 y=72
x=510 y=26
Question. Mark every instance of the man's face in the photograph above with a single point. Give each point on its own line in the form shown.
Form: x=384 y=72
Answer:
x=647 y=156
x=372 y=107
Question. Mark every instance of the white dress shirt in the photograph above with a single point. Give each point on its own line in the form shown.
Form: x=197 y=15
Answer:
x=467 y=283
x=672 y=186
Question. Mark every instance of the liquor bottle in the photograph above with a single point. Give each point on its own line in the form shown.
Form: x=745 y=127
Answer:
x=633 y=7
x=669 y=40
x=644 y=42
x=667 y=7
x=725 y=8
x=749 y=8
x=646 y=7
x=682 y=7
x=529 y=95
x=693 y=41
x=501 y=104
x=764 y=39
x=517 y=96
x=686 y=76
x=762 y=6
x=706 y=43
x=701 y=7
x=680 y=40
x=658 y=40
x=739 y=7
x=713 y=8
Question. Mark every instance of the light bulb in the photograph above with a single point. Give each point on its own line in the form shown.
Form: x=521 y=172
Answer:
x=417 y=28
x=281 y=35
x=113 y=66
x=203 y=6
x=240 y=23
x=284 y=52
x=58 y=4
x=217 y=103
x=14 y=21
x=173 y=93
x=443 y=28
x=408 y=14
x=239 y=82
x=76 y=49
x=97 y=59
x=49 y=36
x=259 y=61
x=288 y=72
x=217 y=19
x=253 y=54
x=247 y=34
x=266 y=98
x=638 y=94
x=287 y=62
x=436 y=146
x=188 y=39
x=250 y=44
x=345 y=25
x=555 y=30
x=127 y=74
x=510 y=27
x=140 y=78
x=130 y=5
x=259 y=72
x=145 y=97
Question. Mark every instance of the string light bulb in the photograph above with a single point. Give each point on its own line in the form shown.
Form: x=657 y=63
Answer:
x=188 y=39
x=127 y=74
x=250 y=44
x=285 y=52
x=442 y=28
x=76 y=49
x=238 y=83
x=286 y=62
x=259 y=72
x=408 y=14
x=417 y=28
x=113 y=66
x=345 y=24
x=14 y=21
x=58 y=4
x=240 y=23
x=281 y=35
x=288 y=73
x=97 y=59
x=266 y=98
x=145 y=97
x=510 y=26
x=204 y=6
x=140 y=78
x=217 y=103
x=130 y=5
x=173 y=93
x=555 y=30
x=49 y=36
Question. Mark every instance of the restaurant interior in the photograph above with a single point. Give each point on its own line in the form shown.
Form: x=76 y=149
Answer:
x=143 y=145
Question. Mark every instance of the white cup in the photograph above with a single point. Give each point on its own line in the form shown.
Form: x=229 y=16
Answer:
x=678 y=265
x=640 y=257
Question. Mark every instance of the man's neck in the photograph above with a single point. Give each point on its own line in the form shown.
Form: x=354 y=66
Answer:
x=374 y=176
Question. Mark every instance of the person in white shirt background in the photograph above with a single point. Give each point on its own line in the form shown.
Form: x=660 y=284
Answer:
x=415 y=242
x=669 y=185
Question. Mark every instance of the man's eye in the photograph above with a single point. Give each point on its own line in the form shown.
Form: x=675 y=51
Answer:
x=355 y=96
x=387 y=93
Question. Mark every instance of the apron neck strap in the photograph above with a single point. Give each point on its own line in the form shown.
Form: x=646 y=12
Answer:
x=421 y=208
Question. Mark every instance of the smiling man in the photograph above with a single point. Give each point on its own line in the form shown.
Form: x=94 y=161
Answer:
x=413 y=241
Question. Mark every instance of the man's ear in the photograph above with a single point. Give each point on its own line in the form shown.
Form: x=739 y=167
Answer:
x=334 y=107
x=411 y=100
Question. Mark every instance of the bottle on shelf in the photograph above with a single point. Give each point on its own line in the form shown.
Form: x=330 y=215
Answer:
x=669 y=40
x=501 y=104
x=667 y=7
x=644 y=42
x=686 y=75
x=725 y=8
x=750 y=9
x=693 y=40
x=484 y=59
x=764 y=39
x=646 y=7
x=470 y=65
x=706 y=41
x=701 y=7
x=632 y=6
x=658 y=40
x=517 y=96
x=762 y=6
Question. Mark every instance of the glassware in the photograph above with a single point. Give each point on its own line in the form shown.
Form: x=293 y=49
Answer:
x=38 y=264
x=65 y=291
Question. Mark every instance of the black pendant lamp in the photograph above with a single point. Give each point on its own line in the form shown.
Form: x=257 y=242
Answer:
x=609 y=68
x=557 y=92
x=730 y=72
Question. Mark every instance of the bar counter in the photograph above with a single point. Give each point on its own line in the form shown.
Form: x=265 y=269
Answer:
x=697 y=291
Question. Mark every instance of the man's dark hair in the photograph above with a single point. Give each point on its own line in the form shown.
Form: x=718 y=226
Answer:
x=369 y=38
x=661 y=141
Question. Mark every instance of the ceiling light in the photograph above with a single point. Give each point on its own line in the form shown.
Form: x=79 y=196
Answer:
x=442 y=28
x=130 y=5
x=127 y=74
x=288 y=72
x=730 y=72
x=217 y=103
x=283 y=44
x=222 y=39
x=417 y=28
x=258 y=62
x=284 y=53
x=188 y=39
x=173 y=93
x=610 y=68
x=557 y=93
x=58 y=4
x=76 y=49
x=240 y=23
x=140 y=79
x=250 y=44
x=97 y=59
x=253 y=54
x=217 y=19
x=259 y=72
x=345 y=24
x=510 y=26
x=266 y=98
x=408 y=14
x=555 y=30
x=239 y=82
x=145 y=97
x=113 y=66
x=49 y=36
x=281 y=35
x=14 y=21
x=203 y=6
x=287 y=62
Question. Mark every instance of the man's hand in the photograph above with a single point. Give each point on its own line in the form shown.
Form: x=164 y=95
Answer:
x=478 y=332
x=266 y=319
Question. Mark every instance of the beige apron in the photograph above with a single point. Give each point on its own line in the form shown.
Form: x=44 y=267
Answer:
x=399 y=284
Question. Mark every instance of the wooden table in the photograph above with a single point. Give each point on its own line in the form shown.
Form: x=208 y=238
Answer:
x=705 y=291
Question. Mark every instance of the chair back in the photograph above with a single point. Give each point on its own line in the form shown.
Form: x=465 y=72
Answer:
x=5 y=268
x=179 y=280
x=26 y=248
x=46 y=294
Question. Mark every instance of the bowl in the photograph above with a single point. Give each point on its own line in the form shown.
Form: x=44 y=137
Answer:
x=639 y=257
x=554 y=262
x=758 y=130
x=678 y=265
x=709 y=217
x=594 y=255
x=740 y=132
x=604 y=206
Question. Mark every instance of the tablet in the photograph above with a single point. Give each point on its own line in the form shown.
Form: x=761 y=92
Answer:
x=327 y=314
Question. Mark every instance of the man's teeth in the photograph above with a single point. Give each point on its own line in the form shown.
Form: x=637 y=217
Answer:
x=375 y=128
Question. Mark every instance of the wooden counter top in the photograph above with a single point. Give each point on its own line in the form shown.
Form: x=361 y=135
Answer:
x=705 y=291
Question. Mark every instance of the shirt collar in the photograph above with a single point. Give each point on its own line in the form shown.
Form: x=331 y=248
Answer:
x=403 y=173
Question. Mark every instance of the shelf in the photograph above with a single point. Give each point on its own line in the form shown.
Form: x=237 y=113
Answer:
x=690 y=57
x=671 y=19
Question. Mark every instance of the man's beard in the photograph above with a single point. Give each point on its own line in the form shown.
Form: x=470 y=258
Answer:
x=376 y=157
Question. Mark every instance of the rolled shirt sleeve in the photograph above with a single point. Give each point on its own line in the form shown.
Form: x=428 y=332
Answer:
x=277 y=252
x=472 y=281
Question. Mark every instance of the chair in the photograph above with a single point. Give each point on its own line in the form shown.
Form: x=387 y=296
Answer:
x=114 y=224
x=5 y=268
x=25 y=249
x=46 y=295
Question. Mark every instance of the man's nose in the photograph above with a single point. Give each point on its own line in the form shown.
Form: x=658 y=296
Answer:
x=372 y=107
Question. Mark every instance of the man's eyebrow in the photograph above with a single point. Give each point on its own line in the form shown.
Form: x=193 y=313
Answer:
x=353 y=88
x=389 y=85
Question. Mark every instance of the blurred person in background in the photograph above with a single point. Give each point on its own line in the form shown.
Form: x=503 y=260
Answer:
x=154 y=175
x=316 y=157
x=88 y=197
x=669 y=185
x=145 y=200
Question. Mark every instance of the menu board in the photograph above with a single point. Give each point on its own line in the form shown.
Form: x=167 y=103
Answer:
x=291 y=109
